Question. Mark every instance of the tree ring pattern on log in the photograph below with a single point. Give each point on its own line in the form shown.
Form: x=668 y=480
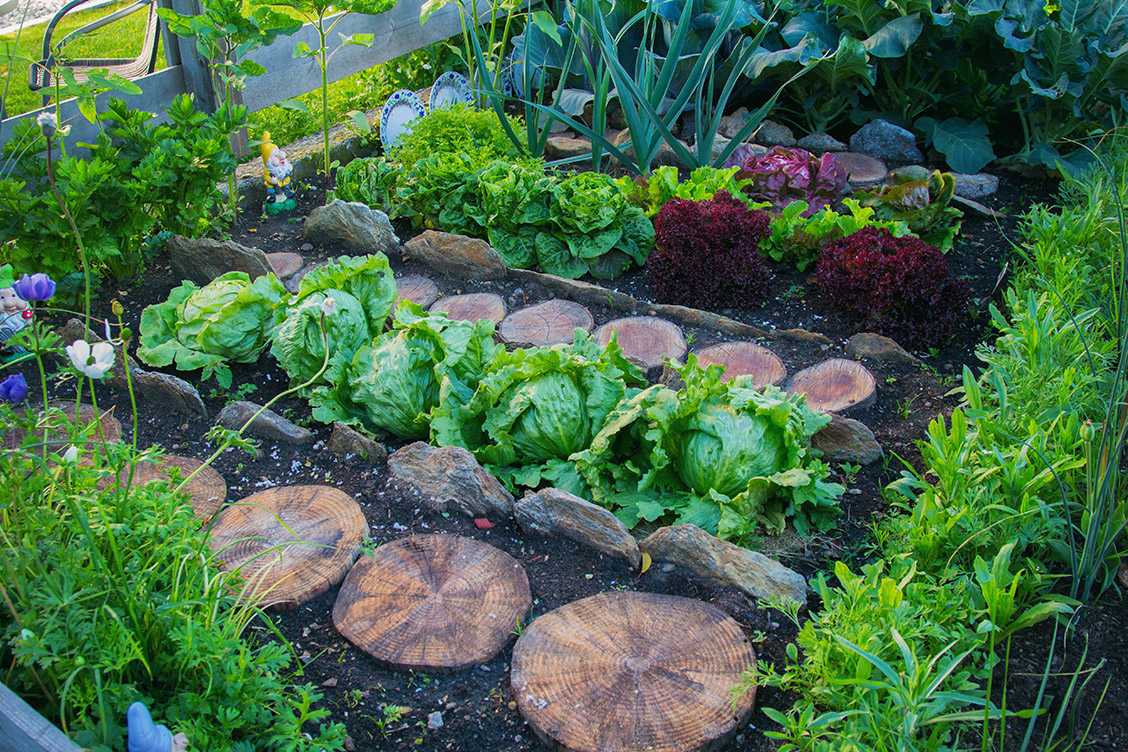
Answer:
x=626 y=671
x=544 y=324
x=420 y=290
x=207 y=490
x=433 y=602
x=835 y=385
x=745 y=359
x=57 y=431
x=472 y=307
x=647 y=338
x=289 y=544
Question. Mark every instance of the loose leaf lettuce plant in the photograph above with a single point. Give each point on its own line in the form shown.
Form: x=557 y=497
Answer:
x=394 y=383
x=721 y=455
x=536 y=408
x=229 y=319
x=363 y=292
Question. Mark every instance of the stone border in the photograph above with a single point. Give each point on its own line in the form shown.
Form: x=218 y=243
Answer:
x=590 y=294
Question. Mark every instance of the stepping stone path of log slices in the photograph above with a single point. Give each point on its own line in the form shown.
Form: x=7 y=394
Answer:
x=617 y=671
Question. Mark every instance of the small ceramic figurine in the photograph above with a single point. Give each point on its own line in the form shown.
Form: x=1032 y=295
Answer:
x=15 y=313
x=146 y=736
x=276 y=171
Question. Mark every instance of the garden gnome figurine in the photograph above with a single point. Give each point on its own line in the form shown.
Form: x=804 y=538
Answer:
x=15 y=313
x=146 y=736
x=276 y=171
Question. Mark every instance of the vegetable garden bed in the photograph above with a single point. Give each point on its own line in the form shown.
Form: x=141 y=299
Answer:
x=390 y=709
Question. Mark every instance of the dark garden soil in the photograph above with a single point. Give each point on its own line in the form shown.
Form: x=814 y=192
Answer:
x=477 y=706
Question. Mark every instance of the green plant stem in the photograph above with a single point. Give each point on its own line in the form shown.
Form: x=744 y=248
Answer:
x=77 y=235
x=323 y=59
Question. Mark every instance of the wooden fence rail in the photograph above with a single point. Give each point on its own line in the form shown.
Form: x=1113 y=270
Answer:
x=396 y=32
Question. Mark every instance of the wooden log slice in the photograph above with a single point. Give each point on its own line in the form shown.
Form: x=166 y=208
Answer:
x=285 y=264
x=420 y=290
x=207 y=490
x=57 y=428
x=549 y=323
x=626 y=671
x=835 y=385
x=649 y=339
x=433 y=602
x=745 y=358
x=472 y=307
x=290 y=543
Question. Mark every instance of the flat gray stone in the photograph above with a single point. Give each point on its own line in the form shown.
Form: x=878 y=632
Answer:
x=553 y=512
x=168 y=393
x=666 y=156
x=771 y=133
x=847 y=440
x=346 y=440
x=203 y=259
x=878 y=347
x=269 y=425
x=564 y=147
x=862 y=170
x=977 y=207
x=802 y=335
x=353 y=224
x=890 y=143
x=285 y=264
x=820 y=143
x=708 y=556
x=977 y=186
x=450 y=479
x=731 y=124
x=456 y=254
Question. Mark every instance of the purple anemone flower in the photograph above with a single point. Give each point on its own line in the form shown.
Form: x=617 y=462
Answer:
x=35 y=287
x=14 y=388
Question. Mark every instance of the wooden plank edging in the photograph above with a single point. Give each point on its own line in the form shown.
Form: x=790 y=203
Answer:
x=24 y=730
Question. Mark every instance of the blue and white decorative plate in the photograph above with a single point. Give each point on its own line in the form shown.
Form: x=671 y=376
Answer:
x=399 y=111
x=450 y=88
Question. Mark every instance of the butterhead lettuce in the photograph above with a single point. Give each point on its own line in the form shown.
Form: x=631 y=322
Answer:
x=393 y=382
x=229 y=319
x=535 y=408
x=721 y=455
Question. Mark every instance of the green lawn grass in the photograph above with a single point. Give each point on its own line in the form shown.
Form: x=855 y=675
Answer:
x=120 y=39
x=363 y=91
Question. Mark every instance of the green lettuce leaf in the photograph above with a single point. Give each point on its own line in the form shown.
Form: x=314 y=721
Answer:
x=397 y=378
x=368 y=279
x=299 y=343
x=535 y=408
x=229 y=319
x=722 y=455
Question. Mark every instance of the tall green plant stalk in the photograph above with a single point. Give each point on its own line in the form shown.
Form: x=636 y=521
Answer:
x=49 y=125
x=316 y=13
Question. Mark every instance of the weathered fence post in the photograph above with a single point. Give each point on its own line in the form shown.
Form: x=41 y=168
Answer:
x=196 y=69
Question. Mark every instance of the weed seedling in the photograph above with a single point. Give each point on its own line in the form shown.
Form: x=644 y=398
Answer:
x=849 y=471
x=905 y=405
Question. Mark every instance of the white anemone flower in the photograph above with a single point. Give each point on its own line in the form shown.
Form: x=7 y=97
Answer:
x=71 y=455
x=94 y=360
x=328 y=306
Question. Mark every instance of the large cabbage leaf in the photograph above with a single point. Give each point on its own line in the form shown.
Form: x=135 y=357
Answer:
x=721 y=455
x=535 y=408
x=229 y=319
x=393 y=384
x=367 y=278
x=299 y=343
